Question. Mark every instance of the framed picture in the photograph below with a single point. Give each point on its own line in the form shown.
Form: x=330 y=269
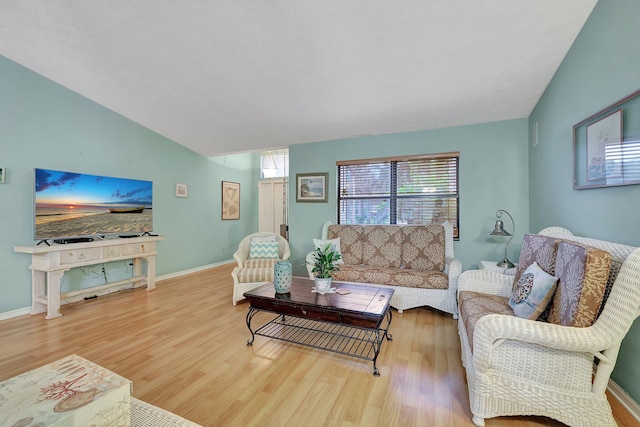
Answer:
x=606 y=146
x=2 y=175
x=311 y=187
x=601 y=136
x=182 y=190
x=230 y=200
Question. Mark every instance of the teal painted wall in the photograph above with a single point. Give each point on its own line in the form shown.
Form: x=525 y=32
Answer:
x=602 y=66
x=488 y=182
x=45 y=125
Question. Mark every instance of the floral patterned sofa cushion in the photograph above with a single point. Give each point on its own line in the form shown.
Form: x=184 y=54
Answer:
x=541 y=249
x=382 y=246
x=582 y=273
x=350 y=241
x=408 y=278
x=474 y=305
x=423 y=247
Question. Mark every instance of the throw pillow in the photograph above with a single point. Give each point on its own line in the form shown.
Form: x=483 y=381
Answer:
x=533 y=292
x=335 y=246
x=269 y=238
x=263 y=250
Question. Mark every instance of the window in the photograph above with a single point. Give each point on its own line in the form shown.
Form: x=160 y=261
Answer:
x=412 y=190
x=274 y=164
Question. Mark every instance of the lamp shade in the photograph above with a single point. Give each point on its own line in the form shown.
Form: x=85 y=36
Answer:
x=498 y=229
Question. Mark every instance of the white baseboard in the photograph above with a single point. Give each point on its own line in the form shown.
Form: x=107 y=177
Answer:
x=192 y=270
x=15 y=313
x=625 y=400
x=27 y=310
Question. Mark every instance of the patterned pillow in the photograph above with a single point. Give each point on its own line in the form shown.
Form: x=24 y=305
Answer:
x=583 y=273
x=263 y=250
x=538 y=248
x=533 y=292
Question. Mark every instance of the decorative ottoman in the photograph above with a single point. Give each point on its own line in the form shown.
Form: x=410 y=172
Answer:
x=69 y=392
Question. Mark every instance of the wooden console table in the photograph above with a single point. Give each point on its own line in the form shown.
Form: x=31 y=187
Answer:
x=48 y=264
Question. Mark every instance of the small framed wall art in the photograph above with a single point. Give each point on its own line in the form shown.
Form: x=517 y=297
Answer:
x=3 y=172
x=230 y=200
x=606 y=146
x=312 y=187
x=182 y=190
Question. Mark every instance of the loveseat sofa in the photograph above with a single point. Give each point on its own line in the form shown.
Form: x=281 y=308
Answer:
x=417 y=261
x=541 y=362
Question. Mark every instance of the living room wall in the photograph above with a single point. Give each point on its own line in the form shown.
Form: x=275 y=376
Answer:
x=601 y=67
x=45 y=125
x=491 y=177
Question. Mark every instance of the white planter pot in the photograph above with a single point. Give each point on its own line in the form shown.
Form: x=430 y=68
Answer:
x=323 y=285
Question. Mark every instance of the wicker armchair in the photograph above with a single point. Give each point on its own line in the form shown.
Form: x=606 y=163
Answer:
x=251 y=273
x=526 y=367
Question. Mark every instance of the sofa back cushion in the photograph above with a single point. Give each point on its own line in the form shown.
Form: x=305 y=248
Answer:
x=423 y=247
x=382 y=246
x=582 y=273
x=538 y=248
x=350 y=241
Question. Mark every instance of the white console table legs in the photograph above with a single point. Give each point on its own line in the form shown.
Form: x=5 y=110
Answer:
x=49 y=263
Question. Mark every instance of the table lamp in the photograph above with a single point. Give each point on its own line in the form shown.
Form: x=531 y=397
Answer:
x=498 y=230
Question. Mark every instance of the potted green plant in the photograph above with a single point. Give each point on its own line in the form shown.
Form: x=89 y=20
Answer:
x=324 y=263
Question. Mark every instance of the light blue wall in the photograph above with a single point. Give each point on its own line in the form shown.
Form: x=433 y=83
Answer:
x=45 y=125
x=602 y=66
x=492 y=177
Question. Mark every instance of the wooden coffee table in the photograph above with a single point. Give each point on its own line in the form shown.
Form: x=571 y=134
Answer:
x=349 y=324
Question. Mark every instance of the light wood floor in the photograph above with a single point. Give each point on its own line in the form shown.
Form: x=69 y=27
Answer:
x=184 y=347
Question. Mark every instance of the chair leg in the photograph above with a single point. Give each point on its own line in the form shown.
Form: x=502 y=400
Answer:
x=478 y=421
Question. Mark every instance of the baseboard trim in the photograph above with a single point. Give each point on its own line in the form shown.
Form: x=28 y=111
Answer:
x=27 y=310
x=15 y=313
x=625 y=403
x=192 y=270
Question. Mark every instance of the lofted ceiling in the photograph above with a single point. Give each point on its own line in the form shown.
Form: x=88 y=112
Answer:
x=229 y=76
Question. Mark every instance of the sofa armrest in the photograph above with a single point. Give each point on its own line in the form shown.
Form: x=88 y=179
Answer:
x=486 y=282
x=240 y=257
x=309 y=264
x=494 y=329
x=453 y=269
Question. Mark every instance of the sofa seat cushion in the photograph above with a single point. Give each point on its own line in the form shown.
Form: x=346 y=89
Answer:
x=474 y=305
x=423 y=247
x=257 y=270
x=392 y=276
x=582 y=273
x=350 y=241
x=382 y=246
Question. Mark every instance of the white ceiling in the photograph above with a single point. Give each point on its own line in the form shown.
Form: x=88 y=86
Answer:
x=225 y=76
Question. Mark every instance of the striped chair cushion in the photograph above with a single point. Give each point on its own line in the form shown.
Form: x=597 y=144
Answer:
x=257 y=270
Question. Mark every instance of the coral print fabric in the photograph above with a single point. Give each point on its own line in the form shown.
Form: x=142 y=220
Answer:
x=583 y=273
x=350 y=242
x=423 y=247
x=382 y=246
x=474 y=305
x=541 y=249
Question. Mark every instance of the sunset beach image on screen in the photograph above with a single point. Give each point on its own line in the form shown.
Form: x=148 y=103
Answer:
x=69 y=204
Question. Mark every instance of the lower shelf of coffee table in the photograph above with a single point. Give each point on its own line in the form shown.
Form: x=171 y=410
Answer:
x=362 y=343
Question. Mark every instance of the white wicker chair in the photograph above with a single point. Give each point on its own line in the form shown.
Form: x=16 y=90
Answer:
x=260 y=274
x=525 y=367
x=405 y=298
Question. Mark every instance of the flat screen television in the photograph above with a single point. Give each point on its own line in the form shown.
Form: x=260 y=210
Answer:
x=69 y=204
